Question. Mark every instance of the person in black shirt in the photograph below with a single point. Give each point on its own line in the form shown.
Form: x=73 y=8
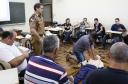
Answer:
x=67 y=30
x=116 y=73
x=118 y=26
x=100 y=30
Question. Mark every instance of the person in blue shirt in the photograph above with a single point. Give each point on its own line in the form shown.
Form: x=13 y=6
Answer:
x=118 y=26
x=94 y=71
x=43 y=69
x=115 y=37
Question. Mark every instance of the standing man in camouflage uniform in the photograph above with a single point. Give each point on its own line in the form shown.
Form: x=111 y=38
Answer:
x=37 y=28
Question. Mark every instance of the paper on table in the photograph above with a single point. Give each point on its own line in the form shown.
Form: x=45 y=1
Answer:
x=19 y=37
x=24 y=49
x=9 y=76
x=28 y=36
x=49 y=33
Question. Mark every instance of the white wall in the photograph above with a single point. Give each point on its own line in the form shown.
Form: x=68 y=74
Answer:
x=4 y=10
x=28 y=12
x=105 y=10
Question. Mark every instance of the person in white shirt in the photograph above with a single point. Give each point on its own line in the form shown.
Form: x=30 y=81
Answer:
x=82 y=28
x=10 y=53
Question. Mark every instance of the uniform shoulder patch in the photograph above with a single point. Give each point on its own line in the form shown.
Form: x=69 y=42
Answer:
x=32 y=18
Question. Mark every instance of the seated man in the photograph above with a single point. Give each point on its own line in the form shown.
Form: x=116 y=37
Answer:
x=117 y=27
x=43 y=69
x=85 y=43
x=100 y=30
x=84 y=24
x=67 y=30
x=115 y=37
x=10 y=53
x=117 y=72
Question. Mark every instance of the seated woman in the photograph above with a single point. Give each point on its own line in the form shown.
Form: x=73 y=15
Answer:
x=100 y=30
x=67 y=30
x=84 y=24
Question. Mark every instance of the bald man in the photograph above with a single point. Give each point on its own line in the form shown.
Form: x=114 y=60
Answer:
x=116 y=72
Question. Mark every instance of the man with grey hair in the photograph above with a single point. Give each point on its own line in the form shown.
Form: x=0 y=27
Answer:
x=116 y=73
x=42 y=69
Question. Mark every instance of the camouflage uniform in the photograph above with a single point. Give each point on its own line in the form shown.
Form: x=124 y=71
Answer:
x=37 y=23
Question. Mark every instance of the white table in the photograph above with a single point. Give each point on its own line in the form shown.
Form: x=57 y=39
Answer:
x=113 y=32
x=56 y=29
x=117 y=33
x=19 y=37
x=89 y=28
x=47 y=33
x=53 y=29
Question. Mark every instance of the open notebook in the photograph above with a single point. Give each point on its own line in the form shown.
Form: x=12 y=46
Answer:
x=9 y=76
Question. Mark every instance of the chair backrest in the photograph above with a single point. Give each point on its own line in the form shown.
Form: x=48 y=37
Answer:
x=4 y=65
x=9 y=76
x=27 y=43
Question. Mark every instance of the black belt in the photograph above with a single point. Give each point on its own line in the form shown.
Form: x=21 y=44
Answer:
x=41 y=35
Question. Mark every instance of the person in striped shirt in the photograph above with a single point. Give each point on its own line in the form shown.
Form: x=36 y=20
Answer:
x=42 y=69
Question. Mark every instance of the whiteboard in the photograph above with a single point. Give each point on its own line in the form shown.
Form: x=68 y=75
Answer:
x=105 y=10
x=4 y=10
